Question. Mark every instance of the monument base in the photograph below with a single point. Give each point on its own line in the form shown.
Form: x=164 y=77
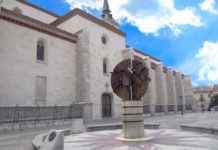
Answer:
x=134 y=140
x=133 y=120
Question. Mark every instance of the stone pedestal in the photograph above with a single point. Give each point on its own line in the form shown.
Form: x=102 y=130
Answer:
x=133 y=120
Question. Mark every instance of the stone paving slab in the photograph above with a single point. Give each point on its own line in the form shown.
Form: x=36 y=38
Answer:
x=204 y=122
x=108 y=126
x=22 y=140
x=162 y=139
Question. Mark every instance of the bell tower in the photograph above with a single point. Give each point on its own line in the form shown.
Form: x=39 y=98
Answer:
x=107 y=16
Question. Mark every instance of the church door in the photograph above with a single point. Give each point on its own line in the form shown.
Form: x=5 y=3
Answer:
x=106 y=105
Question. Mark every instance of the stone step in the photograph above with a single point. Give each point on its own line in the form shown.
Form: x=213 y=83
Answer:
x=116 y=126
x=200 y=129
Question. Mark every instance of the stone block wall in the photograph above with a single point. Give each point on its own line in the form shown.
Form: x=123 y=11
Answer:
x=19 y=67
x=91 y=52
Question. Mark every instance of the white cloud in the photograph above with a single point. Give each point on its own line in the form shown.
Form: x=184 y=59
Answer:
x=163 y=15
x=203 y=66
x=208 y=62
x=209 y=6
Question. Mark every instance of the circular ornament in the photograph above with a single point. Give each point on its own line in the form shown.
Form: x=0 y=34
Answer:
x=130 y=79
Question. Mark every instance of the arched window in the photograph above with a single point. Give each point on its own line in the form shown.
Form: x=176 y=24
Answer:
x=17 y=10
x=104 y=39
x=40 y=50
x=105 y=65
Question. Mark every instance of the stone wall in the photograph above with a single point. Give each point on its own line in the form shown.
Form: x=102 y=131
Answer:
x=168 y=91
x=96 y=51
x=19 y=67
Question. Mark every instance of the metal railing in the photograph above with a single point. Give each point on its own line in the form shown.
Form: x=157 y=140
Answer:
x=35 y=114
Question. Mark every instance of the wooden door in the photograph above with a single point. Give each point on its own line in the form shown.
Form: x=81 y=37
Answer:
x=106 y=105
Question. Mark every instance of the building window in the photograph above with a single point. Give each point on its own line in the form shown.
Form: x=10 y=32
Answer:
x=40 y=50
x=104 y=39
x=17 y=10
x=105 y=65
x=40 y=90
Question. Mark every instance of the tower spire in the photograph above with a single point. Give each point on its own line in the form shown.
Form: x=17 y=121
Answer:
x=106 y=8
x=107 y=16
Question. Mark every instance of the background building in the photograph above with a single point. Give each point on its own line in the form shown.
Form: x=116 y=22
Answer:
x=202 y=96
x=50 y=60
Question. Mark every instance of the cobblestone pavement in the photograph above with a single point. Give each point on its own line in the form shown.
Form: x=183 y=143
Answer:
x=22 y=140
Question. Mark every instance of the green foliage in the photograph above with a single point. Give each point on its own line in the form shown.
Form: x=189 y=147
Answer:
x=213 y=101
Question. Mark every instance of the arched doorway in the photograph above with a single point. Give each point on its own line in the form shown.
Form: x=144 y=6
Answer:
x=106 y=105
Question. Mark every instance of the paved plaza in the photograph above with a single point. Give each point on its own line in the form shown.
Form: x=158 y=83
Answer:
x=22 y=140
x=173 y=121
x=162 y=139
x=207 y=119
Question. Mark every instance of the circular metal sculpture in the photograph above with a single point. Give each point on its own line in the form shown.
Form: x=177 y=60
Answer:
x=130 y=79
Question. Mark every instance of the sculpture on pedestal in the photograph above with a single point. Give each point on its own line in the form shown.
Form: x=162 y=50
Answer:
x=130 y=79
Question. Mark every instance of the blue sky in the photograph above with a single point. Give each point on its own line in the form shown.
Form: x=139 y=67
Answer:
x=181 y=33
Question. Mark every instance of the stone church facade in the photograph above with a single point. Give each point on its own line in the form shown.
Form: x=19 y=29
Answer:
x=51 y=60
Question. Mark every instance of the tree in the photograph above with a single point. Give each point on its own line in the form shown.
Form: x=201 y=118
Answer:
x=213 y=101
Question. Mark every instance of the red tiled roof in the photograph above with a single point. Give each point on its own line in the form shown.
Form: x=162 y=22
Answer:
x=94 y=19
x=37 y=7
x=61 y=19
x=202 y=89
x=138 y=51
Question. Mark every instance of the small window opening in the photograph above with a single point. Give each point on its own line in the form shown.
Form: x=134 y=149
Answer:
x=40 y=51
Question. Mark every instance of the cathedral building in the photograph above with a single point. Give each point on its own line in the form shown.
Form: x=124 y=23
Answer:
x=51 y=60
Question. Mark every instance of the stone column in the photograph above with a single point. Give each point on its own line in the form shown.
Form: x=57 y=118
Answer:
x=149 y=95
x=189 y=96
x=180 y=90
x=165 y=89
x=152 y=86
x=172 y=99
x=161 y=89
x=83 y=70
